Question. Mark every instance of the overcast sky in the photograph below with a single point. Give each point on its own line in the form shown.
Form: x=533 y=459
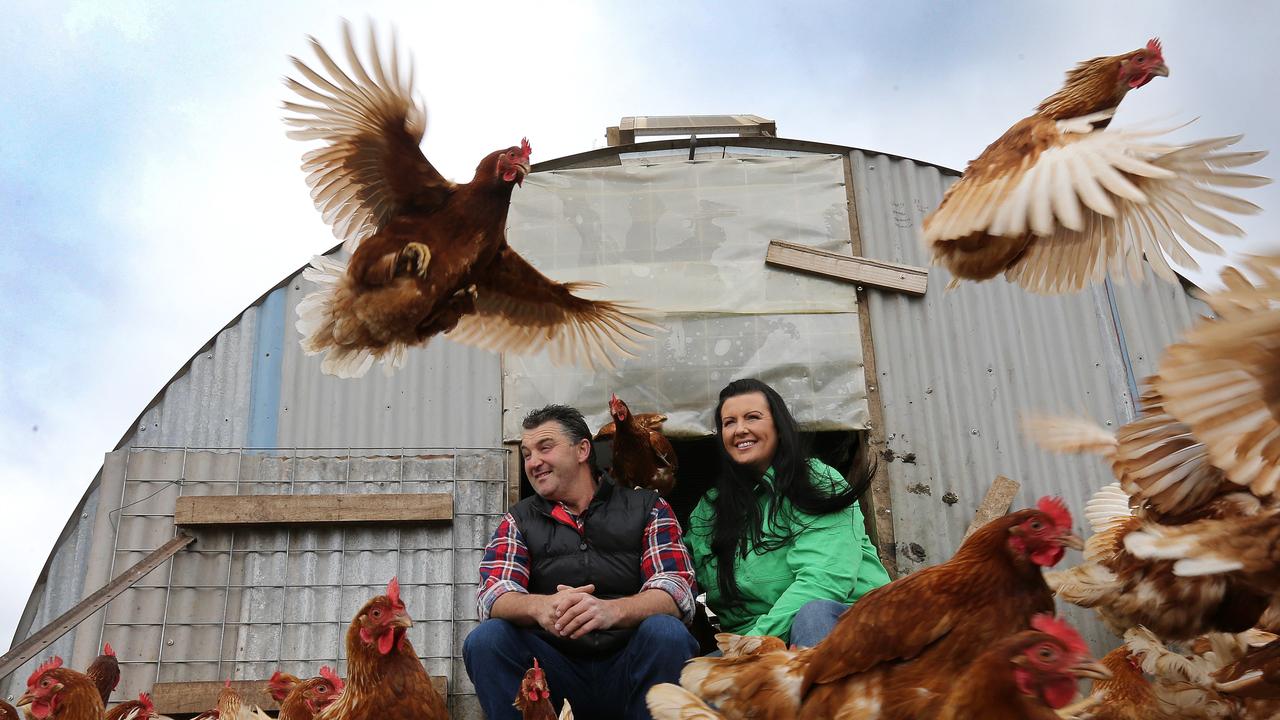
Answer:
x=148 y=192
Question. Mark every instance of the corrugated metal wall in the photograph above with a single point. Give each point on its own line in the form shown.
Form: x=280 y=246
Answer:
x=958 y=369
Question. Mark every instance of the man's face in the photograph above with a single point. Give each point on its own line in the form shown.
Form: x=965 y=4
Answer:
x=552 y=462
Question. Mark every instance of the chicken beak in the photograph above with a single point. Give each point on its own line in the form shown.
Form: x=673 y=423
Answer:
x=1162 y=70
x=1091 y=669
x=26 y=699
x=1072 y=541
x=402 y=620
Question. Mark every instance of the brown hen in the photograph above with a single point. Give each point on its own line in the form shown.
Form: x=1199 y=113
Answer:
x=428 y=256
x=105 y=672
x=1055 y=203
x=306 y=698
x=385 y=678
x=55 y=692
x=642 y=456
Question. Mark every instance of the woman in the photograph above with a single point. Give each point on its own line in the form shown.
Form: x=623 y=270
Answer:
x=779 y=544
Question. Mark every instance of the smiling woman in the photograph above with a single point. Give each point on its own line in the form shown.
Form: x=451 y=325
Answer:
x=779 y=544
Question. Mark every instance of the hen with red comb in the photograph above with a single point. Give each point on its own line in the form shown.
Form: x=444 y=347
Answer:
x=1059 y=202
x=60 y=693
x=105 y=672
x=306 y=698
x=385 y=678
x=1026 y=676
x=428 y=256
x=642 y=456
x=534 y=698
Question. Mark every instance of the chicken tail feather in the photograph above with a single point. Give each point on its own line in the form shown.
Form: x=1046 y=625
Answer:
x=672 y=702
x=329 y=325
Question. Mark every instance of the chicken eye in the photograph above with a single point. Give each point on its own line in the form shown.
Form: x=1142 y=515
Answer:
x=1037 y=525
x=1047 y=654
x=1140 y=59
x=322 y=688
x=376 y=613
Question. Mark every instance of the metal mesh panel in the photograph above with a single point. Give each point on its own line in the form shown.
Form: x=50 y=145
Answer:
x=243 y=602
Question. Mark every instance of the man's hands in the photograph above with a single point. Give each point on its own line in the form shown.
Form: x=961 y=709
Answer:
x=573 y=612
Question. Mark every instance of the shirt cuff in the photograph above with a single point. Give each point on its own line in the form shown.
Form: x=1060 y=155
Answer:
x=678 y=589
x=495 y=591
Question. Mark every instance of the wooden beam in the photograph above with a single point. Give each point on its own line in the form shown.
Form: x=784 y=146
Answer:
x=879 y=500
x=872 y=273
x=185 y=698
x=996 y=503
x=45 y=636
x=193 y=511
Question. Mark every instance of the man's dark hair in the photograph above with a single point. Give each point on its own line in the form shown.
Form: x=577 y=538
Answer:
x=570 y=421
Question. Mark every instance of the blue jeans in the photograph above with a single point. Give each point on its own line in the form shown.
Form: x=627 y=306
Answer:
x=814 y=620
x=497 y=654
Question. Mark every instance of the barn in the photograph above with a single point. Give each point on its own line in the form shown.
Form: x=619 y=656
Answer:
x=256 y=503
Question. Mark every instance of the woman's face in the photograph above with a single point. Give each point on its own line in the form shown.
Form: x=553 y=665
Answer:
x=747 y=431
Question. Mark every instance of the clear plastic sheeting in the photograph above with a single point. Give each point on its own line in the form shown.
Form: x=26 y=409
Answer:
x=688 y=237
x=687 y=240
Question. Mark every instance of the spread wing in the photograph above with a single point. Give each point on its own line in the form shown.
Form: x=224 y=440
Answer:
x=1091 y=202
x=520 y=310
x=1224 y=383
x=370 y=166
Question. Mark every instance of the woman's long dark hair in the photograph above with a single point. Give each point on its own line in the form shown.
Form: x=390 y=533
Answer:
x=738 y=523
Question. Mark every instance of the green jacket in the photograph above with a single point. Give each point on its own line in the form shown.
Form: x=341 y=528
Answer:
x=832 y=558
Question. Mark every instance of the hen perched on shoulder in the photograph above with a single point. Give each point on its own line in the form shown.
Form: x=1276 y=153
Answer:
x=1057 y=202
x=429 y=256
x=642 y=455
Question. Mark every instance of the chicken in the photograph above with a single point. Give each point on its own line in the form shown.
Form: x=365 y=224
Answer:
x=140 y=709
x=306 y=698
x=1024 y=677
x=1017 y=209
x=385 y=679
x=1127 y=694
x=642 y=456
x=230 y=706
x=1127 y=590
x=59 y=693
x=533 y=700
x=105 y=672
x=428 y=256
x=8 y=712
x=942 y=618
x=280 y=685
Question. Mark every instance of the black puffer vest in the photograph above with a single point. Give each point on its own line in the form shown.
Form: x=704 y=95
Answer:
x=606 y=553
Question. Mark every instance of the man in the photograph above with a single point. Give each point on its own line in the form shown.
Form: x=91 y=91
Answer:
x=589 y=578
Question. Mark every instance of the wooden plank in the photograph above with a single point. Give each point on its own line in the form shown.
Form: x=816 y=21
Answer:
x=879 y=503
x=996 y=503
x=193 y=511
x=514 y=461
x=184 y=698
x=44 y=637
x=872 y=273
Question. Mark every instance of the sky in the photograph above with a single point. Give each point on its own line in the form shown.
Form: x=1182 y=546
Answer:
x=148 y=193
